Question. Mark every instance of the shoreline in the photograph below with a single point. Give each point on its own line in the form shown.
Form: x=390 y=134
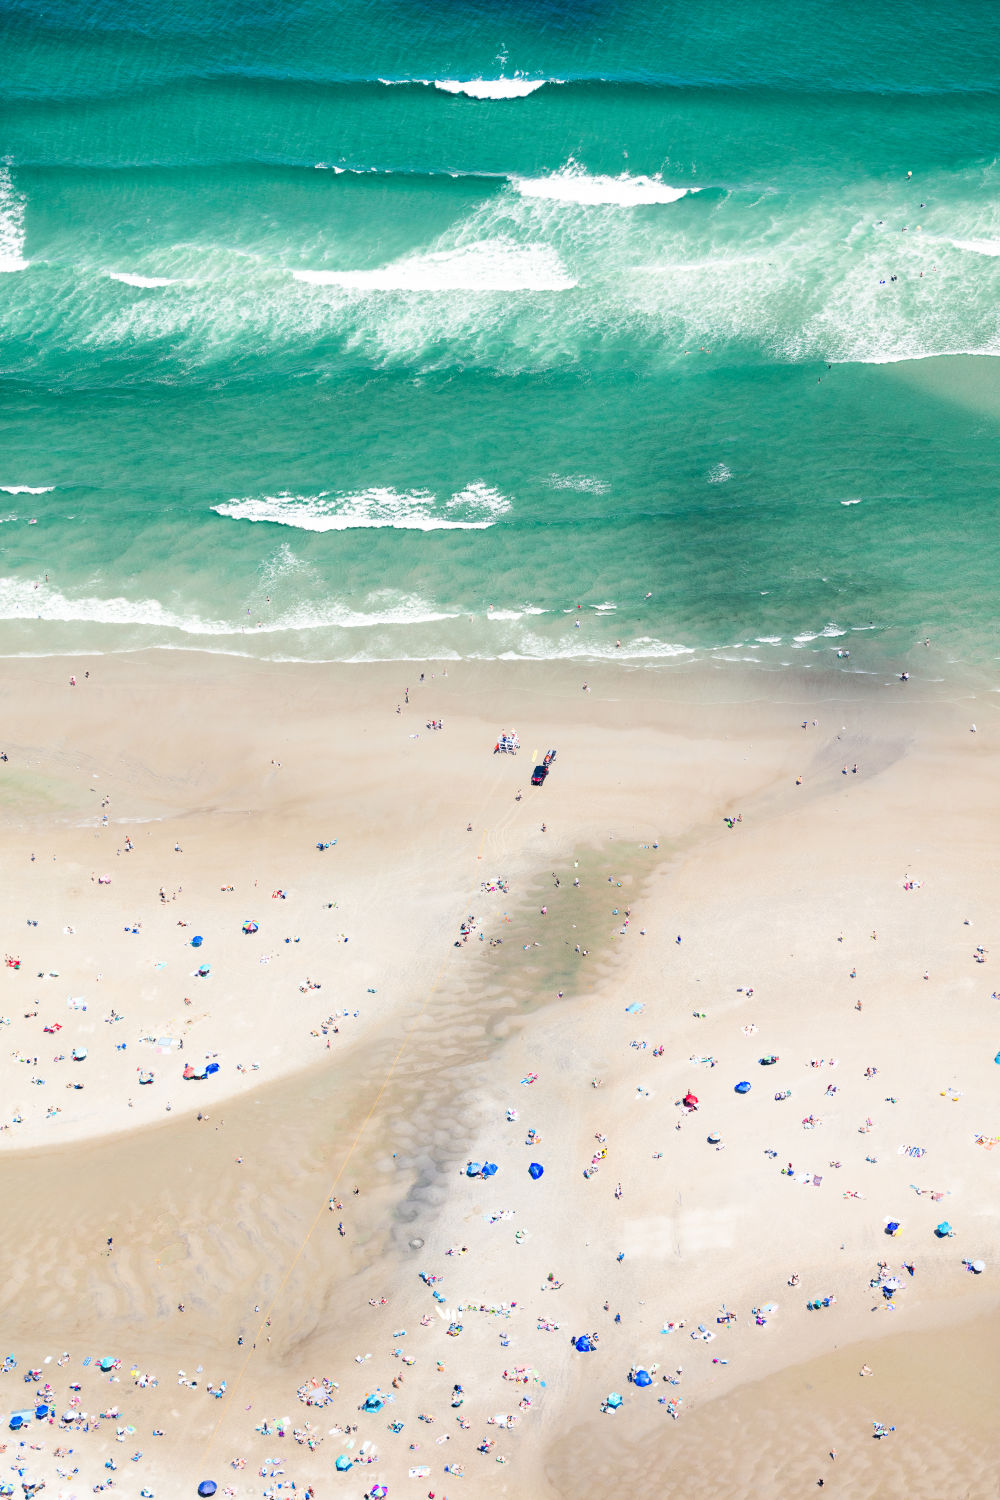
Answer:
x=876 y=655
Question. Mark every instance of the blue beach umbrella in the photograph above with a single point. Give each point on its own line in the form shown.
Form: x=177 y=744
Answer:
x=196 y=942
x=207 y=1487
x=742 y=1088
x=474 y=1169
x=583 y=1344
x=614 y=1401
x=343 y=1463
x=642 y=1378
x=536 y=1170
x=490 y=1169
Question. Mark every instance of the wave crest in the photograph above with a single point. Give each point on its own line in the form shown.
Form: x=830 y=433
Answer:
x=474 y=508
x=490 y=88
x=497 y=265
x=12 y=206
x=132 y=278
x=572 y=184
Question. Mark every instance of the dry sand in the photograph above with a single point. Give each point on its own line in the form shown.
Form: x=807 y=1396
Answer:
x=404 y=1058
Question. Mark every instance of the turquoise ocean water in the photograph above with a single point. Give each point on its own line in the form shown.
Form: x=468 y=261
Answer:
x=402 y=330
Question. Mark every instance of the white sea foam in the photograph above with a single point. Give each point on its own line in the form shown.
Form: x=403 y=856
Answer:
x=830 y=630
x=479 y=505
x=584 y=483
x=719 y=473
x=645 y=648
x=978 y=247
x=131 y=278
x=27 y=489
x=489 y=88
x=483 y=500
x=498 y=265
x=12 y=206
x=493 y=614
x=572 y=184
x=20 y=600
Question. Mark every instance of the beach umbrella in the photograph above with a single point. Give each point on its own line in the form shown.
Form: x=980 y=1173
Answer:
x=614 y=1401
x=714 y=1138
x=207 y=1487
x=107 y=1363
x=643 y=1378
x=41 y=1411
x=536 y=1169
x=583 y=1344
x=943 y=1230
x=979 y=1266
x=379 y=1492
x=196 y=942
x=892 y=1227
x=343 y=1463
x=691 y=1100
x=742 y=1088
x=474 y=1169
x=16 y=1423
x=490 y=1169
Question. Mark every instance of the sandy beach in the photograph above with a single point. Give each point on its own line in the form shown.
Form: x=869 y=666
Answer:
x=380 y=955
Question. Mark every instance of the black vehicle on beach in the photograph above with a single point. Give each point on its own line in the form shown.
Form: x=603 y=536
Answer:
x=539 y=774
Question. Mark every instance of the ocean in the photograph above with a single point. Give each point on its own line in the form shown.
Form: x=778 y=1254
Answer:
x=513 y=330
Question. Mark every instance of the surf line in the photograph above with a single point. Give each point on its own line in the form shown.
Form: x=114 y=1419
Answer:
x=323 y=1209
